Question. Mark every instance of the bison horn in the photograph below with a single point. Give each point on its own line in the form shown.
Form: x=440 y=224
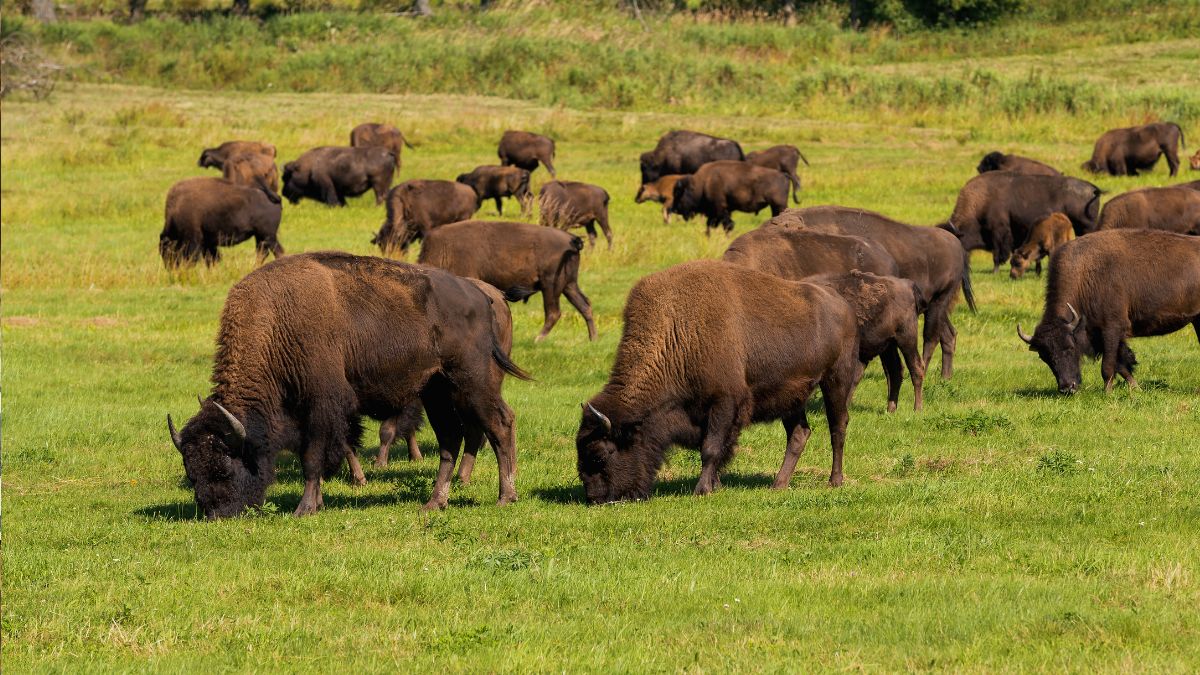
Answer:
x=175 y=437
x=588 y=407
x=234 y=424
x=1076 y=319
x=1021 y=334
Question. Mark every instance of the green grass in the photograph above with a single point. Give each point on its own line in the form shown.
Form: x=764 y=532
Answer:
x=1004 y=528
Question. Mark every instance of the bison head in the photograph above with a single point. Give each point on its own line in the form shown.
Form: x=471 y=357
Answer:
x=650 y=170
x=1020 y=263
x=226 y=474
x=294 y=182
x=209 y=158
x=611 y=464
x=993 y=161
x=685 y=201
x=1195 y=161
x=1060 y=341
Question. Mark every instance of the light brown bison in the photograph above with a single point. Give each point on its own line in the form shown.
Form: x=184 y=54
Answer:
x=254 y=169
x=1195 y=161
x=415 y=207
x=1124 y=152
x=330 y=174
x=215 y=157
x=785 y=158
x=998 y=161
x=520 y=259
x=525 y=150
x=796 y=253
x=205 y=213
x=566 y=204
x=310 y=343
x=720 y=188
x=709 y=347
x=1175 y=209
x=373 y=134
x=684 y=152
x=661 y=191
x=1044 y=239
x=1108 y=287
x=497 y=182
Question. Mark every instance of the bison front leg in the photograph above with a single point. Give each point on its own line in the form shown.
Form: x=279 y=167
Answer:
x=798 y=431
x=357 y=477
x=723 y=427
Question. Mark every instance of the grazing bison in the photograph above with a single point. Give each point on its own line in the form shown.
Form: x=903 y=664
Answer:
x=661 y=191
x=928 y=256
x=384 y=136
x=708 y=348
x=1044 y=239
x=566 y=204
x=995 y=210
x=684 y=152
x=204 y=213
x=1108 y=287
x=310 y=343
x=1175 y=209
x=330 y=174
x=525 y=150
x=998 y=161
x=253 y=169
x=215 y=157
x=785 y=158
x=520 y=259
x=719 y=188
x=415 y=207
x=1124 y=152
x=497 y=182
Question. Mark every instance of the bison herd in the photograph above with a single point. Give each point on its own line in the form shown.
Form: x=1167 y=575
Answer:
x=312 y=343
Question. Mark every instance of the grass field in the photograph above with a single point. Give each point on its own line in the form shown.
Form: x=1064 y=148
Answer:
x=1004 y=528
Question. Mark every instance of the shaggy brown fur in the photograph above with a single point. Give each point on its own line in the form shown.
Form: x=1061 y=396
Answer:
x=1108 y=287
x=998 y=161
x=794 y=253
x=330 y=174
x=720 y=188
x=310 y=343
x=1175 y=209
x=661 y=191
x=215 y=157
x=709 y=347
x=1044 y=239
x=497 y=182
x=205 y=213
x=684 y=152
x=415 y=207
x=525 y=150
x=785 y=158
x=373 y=134
x=566 y=204
x=253 y=169
x=1124 y=152
x=520 y=259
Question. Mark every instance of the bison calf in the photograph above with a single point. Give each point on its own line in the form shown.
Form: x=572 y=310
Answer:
x=719 y=188
x=386 y=136
x=662 y=191
x=204 y=213
x=1044 y=239
x=497 y=182
x=330 y=174
x=254 y=169
x=785 y=158
x=215 y=157
x=415 y=207
x=566 y=204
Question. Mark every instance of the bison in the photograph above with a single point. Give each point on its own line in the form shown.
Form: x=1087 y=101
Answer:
x=373 y=134
x=497 y=182
x=330 y=174
x=566 y=204
x=785 y=158
x=1044 y=239
x=520 y=259
x=684 y=152
x=1124 y=152
x=709 y=347
x=525 y=150
x=1195 y=161
x=205 y=213
x=309 y=344
x=998 y=161
x=415 y=207
x=995 y=210
x=215 y=157
x=1175 y=209
x=254 y=169
x=719 y=188
x=661 y=191
x=1108 y=287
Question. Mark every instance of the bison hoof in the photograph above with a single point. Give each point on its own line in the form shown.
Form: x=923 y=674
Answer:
x=306 y=510
x=434 y=505
x=381 y=464
x=505 y=500
x=835 y=481
x=891 y=406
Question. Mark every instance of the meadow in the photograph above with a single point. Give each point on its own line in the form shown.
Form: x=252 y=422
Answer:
x=1003 y=528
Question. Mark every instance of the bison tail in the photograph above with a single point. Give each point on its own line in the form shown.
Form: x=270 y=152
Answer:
x=968 y=291
x=507 y=365
x=271 y=195
x=803 y=158
x=518 y=293
x=949 y=227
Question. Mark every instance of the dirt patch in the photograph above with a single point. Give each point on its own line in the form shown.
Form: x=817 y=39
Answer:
x=20 y=321
x=101 y=321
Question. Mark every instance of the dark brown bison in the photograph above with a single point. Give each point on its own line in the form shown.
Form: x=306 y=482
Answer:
x=253 y=169
x=215 y=157
x=720 y=188
x=684 y=152
x=1044 y=239
x=310 y=343
x=330 y=174
x=497 y=182
x=385 y=136
x=415 y=207
x=205 y=213
x=928 y=256
x=998 y=161
x=785 y=158
x=995 y=210
x=566 y=204
x=661 y=191
x=520 y=259
x=525 y=150
x=1124 y=152
x=1175 y=209
x=1108 y=287
x=708 y=348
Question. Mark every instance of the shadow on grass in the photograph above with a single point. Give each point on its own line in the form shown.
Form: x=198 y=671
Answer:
x=573 y=494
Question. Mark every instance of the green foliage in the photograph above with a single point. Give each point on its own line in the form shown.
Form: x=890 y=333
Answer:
x=1058 y=462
